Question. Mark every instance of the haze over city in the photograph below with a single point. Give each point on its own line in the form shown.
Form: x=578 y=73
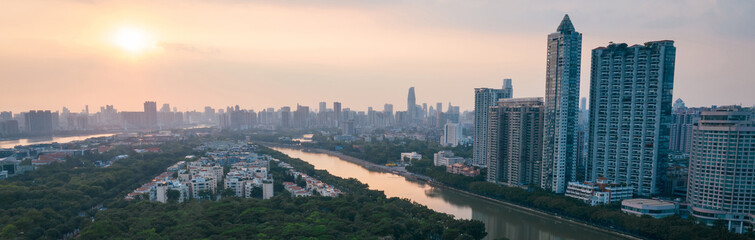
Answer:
x=269 y=54
x=415 y=119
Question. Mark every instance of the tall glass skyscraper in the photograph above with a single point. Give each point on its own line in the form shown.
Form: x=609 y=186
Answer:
x=411 y=105
x=484 y=99
x=630 y=114
x=561 y=107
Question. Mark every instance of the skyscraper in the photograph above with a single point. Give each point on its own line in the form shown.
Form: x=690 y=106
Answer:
x=301 y=117
x=561 y=107
x=630 y=113
x=323 y=117
x=337 y=112
x=508 y=88
x=285 y=117
x=411 y=105
x=584 y=115
x=682 y=120
x=678 y=104
x=515 y=141
x=5 y=116
x=451 y=135
x=165 y=108
x=39 y=123
x=721 y=167
x=209 y=114
x=323 y=107
x=150 y=113
x=583 y=104
x=388 y=108
x=484 y=99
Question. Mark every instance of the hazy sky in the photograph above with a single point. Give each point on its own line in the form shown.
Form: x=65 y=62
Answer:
x=260 y=54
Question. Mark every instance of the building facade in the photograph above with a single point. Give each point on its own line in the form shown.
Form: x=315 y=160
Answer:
x=682 y=120
x=630 y=113
x=514 y=141
x=150 y=113
x=722 y=168
x=451 y=135
x=649 y=207
x=484 y=99
x=561 y=107
x=411 y=105
x=446 y=158
x=39 y=123
x=599 y=192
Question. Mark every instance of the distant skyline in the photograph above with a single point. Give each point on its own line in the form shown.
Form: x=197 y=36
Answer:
x=258 y=54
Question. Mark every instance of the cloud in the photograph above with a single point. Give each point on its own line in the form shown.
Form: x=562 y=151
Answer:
x=362 y=53
x=188 y=48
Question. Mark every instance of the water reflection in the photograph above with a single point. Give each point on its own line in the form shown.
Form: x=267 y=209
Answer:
x=500 y=220
x=46 y=140
x=304 y=138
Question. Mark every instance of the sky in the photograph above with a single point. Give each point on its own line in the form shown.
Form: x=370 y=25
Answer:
x=260 y=54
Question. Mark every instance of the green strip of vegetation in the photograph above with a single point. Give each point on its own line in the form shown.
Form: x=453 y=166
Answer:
x=58 y=198
x=360 y=213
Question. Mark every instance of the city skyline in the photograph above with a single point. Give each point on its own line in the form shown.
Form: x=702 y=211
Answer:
x=41 y=63
x=377 y=119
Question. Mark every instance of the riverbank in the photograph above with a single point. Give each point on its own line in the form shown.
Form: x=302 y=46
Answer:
x=48 y=140
x=503 y=204
x=368 y=165
x=536 y=211
x=59 y=135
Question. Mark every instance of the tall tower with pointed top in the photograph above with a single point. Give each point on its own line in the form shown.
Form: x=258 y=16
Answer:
x=411 y=104
x=561 y=107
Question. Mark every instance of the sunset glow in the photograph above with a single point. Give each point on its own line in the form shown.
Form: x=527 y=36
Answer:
x=133 y=40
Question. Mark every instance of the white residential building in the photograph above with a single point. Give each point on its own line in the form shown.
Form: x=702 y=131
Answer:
x=600 y=192
x=630 y=114
x=267 y=189
x=200 y=183
x=721 y=185
x=451 y=135
x=650 y=207
x=161 y=192
x=446 y=158
x=411 y=156
x=237 y=183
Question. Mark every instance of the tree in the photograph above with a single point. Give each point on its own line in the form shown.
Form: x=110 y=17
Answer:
x=300 y=182
x=9 y=232
x=228 y=192
x=173 y=195
x=205 y=194
x=256 y=192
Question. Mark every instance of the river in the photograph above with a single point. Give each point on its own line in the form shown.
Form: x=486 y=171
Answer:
x=46 y=140
x=500 y=220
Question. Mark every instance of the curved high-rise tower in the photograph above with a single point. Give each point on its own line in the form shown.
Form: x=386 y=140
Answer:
x=411 y=105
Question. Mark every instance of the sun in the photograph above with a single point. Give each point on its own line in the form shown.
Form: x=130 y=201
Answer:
x=133 y=40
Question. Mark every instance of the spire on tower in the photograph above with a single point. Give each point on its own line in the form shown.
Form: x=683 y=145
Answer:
x=566 y=25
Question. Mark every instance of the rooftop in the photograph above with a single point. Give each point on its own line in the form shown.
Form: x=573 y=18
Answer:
x=647 y=202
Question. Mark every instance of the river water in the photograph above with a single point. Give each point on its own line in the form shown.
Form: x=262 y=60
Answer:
x=501 y=221
x=46 y=140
